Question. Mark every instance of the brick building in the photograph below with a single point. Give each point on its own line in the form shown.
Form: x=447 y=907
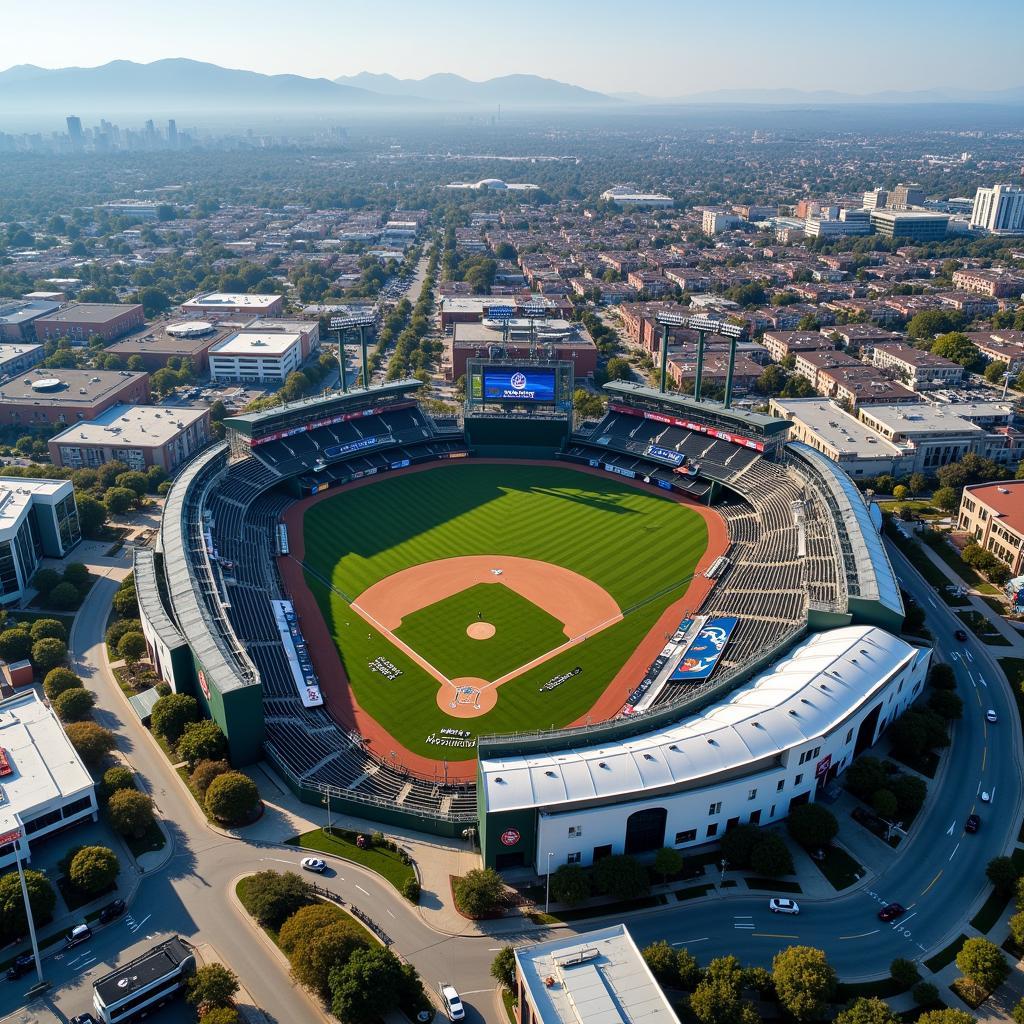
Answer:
x=82 y=320
x=58 y=397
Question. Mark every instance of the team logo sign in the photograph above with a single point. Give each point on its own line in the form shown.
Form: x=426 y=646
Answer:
x=203 y=685
x=510 y=837
x=518 y=381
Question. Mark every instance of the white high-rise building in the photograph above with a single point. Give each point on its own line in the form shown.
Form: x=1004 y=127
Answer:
x=999 y=209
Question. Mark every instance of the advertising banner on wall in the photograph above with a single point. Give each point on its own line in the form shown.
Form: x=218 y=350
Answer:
x=703 y=654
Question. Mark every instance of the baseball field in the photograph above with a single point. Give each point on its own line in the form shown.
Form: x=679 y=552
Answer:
x=458 y=598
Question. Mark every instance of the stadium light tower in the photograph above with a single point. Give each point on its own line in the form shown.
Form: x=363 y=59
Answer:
x=703 y=325
x=344 y=324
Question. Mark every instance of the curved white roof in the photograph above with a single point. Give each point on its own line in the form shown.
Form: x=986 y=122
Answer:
x=822 y=680
x=189 y=329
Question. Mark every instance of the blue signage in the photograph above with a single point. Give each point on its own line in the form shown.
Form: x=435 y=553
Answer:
x=703 y=654
x=665 y=485
x=669 y=455
x=501 y=313
x=335 y=450
x=528 y=384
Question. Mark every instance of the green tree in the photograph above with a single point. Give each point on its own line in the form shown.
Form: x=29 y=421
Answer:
x=945 y=1017
x=930 y=322
x=48 y=629
x=118 y=629
x=947 y=499
x=884 y=803
x=910 y=792
x=171 y=714
x=621 y=877
x=718 y=996
x=132 y=647
x=688 y=969
x=1016 y=923
x=619 y=369
x=119 y=500
x=1002 y=873
x=93 y=869
x=947 y=705
x=333 y=942
x=957 y=347
x=479 y=892
x=738 y=843
x=867 y=1011
x=812 y=825
x=1017 y=1013
x=133 y=481
x=904 y=972
x=201 y=741
x=661 y=958
x=941 y=676
x=92 y=742
x=570 y=885
x=924 y=993
x=15 y=644
x=367 y=987
x=994 y=371
x=64 y=597
x=918 y=483
x=44 y=581
x=667 y=863
x=982 y=962
x=274 y=897
x=130 y=812
x=232 y=798
x=503 y=967
x=74 y=705
x=204 y=773
x=212 y=986
x=41 y=897
x=58 y=681
x=92 y=515
x=118 y=777
x=77 y=574
x=900 y=493
x=771 y=856
x=804 y=980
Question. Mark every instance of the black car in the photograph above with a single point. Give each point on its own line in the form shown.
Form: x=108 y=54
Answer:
x=23 y=963
x=972 y=824
x=112 y=911
x=84 y=1018
x=961 y=635
x=891 y=911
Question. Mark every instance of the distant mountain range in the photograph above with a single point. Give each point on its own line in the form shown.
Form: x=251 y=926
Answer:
x=517 y=90
x=180 y=86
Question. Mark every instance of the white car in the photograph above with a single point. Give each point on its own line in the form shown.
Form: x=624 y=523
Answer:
x=780 y=905
x=453 y=1007
x=313 y=864
x=986 y=797
x=991 y=716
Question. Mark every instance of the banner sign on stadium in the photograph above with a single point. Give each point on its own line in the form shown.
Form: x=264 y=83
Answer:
x=355 y=446
x=527 y=384
x=555 y=681
x=703 y=654
x=501 y=312
x=297 y=654
x=619 y=471
x=669 y=455
x=822 y=767
x=454 y=455
x=329 y=422
x=700 y=428
x=665 y=485
x=655 y=669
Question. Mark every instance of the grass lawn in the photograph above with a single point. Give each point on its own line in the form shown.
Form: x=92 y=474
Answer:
x=339 y=843
x=522 y=632
x=990 y=912
x=149 y=842
x=946 y=956
x=839 y=868
x=919 y=506
x=640 y=547
x=982 y=629
x=508 y=1001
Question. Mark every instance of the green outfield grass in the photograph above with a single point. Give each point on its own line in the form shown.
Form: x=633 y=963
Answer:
x=637 y=545
x=522 y=632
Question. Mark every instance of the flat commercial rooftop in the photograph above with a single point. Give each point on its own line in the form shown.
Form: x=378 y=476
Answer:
x=41 y=386
x=45 y=765
x=20 y=312
x=595 y=978
x=90 y=312
x=143 y=426
x=844 y=433
x=232 y=300
x=921 y=419
x=165 y=343
x=257 y=344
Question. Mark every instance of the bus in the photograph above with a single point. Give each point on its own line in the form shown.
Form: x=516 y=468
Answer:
x=143 y=985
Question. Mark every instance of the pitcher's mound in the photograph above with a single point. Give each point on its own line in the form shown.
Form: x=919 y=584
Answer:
x=480 y=631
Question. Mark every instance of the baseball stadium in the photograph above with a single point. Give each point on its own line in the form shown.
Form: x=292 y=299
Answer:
x=534 y=631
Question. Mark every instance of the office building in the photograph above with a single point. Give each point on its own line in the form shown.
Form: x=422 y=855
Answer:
x=261 y=356
x=38 y=518
x=625 y=196
x=875 y=199
x=847 y=222
x=139 y=436
x=185 y=339
x=915 y=225
x=993 y=515
x=46 y=787
x=19 y=358
x=234 y=304
x=598 y=976
x=81 y=321
x=59 y=397
x=902 y=197
x=74 y=130
x=999 y=209
x=18 y=317
x=714 y=222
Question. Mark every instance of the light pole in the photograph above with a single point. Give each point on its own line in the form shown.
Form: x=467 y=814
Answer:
x=547 y=885
x=327 y=800
x=15 y=836
x=359 y=323
x=723 y=865
x=703 y=325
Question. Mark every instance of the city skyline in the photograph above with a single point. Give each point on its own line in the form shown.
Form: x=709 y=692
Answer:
x=674 y=49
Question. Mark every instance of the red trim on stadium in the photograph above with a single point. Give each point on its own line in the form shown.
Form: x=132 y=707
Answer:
x=338 y=697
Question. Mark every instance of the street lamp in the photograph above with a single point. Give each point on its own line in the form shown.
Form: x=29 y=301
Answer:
x=343 y=324
x=547 y=885
x=327 y=800
x=723 y=865
x=15 y=836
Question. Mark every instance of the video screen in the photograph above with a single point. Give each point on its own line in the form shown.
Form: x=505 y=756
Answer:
x=519 y=384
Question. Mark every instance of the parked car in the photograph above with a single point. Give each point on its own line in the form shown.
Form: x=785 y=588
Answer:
x=79 y=934
x=453 y=1007
x=972 y=824
x=112 y=911
x=961 y=636
x=84 y=1018
x=891 y=911
x=22 y=964
x=985 y=796
x=781 y=905
x=314 y=864
x=991 y=716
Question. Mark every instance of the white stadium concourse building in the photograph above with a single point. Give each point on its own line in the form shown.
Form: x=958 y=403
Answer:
x=749 y=758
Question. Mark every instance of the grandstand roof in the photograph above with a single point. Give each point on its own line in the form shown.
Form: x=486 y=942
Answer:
x=875 y=575
x=800 y=698
x=685 y=403
x=253 y=423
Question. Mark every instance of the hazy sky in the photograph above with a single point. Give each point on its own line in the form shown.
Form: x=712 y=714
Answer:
x=659 y=47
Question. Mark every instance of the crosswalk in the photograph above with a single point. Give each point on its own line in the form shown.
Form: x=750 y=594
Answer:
x=743 y=921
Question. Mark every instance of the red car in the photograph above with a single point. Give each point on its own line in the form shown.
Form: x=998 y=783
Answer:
x=891 y=911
